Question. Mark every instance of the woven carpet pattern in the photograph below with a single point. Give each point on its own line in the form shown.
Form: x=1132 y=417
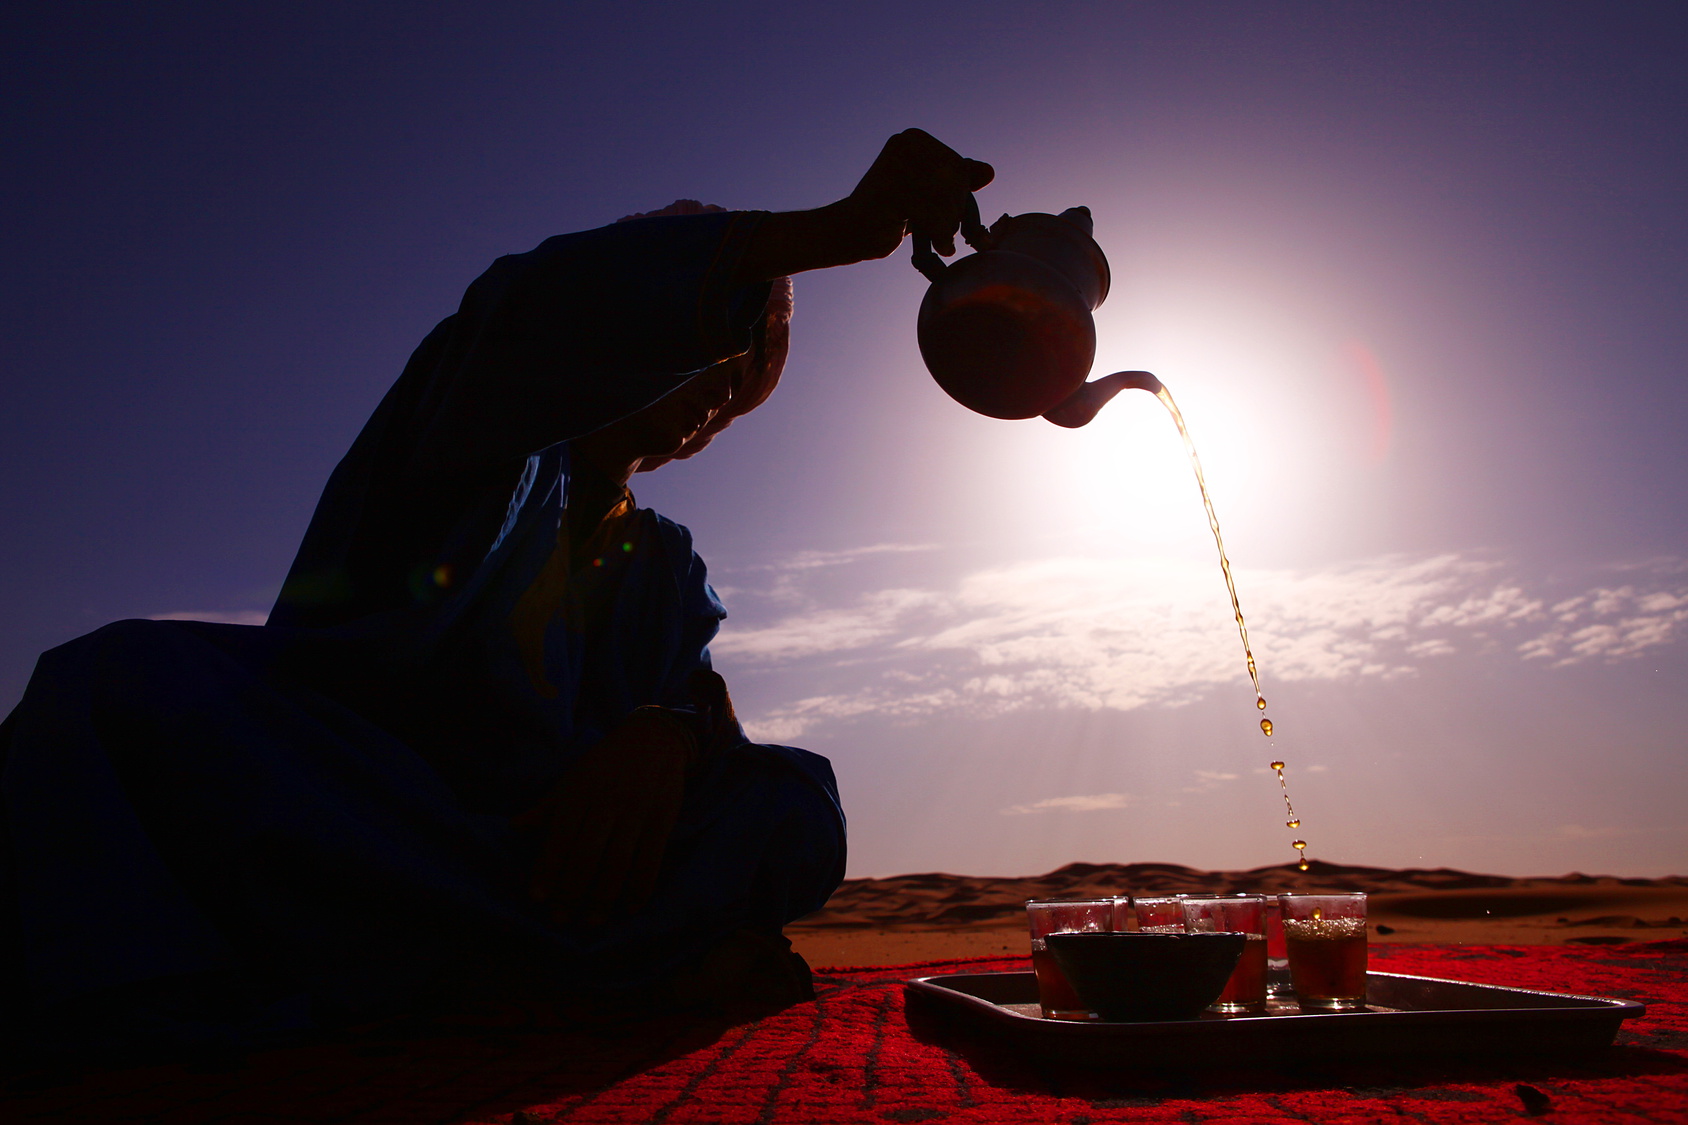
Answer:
x=851 y=1058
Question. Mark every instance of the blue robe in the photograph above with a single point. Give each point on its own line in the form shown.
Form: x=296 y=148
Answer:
x=226 y=831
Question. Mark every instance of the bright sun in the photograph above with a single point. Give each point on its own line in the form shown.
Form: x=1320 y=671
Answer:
x=1272 y=441
x=1129 y=475
x=1130 y=483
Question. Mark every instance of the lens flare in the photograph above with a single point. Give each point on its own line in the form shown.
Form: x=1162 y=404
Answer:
x=1364 y=361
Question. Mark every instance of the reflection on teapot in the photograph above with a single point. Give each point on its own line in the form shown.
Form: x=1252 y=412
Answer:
x=1007 y=331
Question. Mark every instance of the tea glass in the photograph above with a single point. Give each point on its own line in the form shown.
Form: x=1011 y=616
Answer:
x=1325 y=937
x=1245 y=914
x=1277 y=962
x=1048 y=916
x=1159 y=914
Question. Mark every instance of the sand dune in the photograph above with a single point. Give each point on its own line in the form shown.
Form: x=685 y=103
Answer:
x=928 y=916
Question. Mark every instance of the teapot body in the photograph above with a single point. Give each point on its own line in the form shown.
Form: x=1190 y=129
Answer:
x=1007 y=331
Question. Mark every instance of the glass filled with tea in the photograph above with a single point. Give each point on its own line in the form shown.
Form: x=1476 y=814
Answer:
x=1244 y=914
x=1277 y=961
x=1159 y=914
x=1071 y=916
x=1325 y=938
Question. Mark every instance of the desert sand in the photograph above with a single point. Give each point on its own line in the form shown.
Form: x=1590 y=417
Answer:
x=929 y=917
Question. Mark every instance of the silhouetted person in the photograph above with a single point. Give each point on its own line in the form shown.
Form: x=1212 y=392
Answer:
x=478 y=746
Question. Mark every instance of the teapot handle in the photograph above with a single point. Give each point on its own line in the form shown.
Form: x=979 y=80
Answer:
x=973 y=232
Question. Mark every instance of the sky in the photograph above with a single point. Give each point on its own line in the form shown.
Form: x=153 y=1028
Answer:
x=1415 y=274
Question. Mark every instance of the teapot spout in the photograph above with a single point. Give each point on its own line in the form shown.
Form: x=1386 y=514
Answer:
x=1079 y=408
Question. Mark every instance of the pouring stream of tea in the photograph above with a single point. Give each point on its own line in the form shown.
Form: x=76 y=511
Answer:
x=1290 y=819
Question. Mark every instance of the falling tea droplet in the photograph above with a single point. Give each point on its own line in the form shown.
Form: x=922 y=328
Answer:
x=1166 y=399
x=1165 y=396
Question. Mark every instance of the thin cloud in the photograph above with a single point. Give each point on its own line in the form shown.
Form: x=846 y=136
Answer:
x=1578 y=832
x=782 y=581
x=875 y=618
x=1095 y=802
x=1092 y=634
x=814 y=560
x=784 y=723
x=1209 y=780
x=1584 y=628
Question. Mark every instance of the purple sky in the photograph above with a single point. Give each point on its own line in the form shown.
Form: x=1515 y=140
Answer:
x=1415 y=273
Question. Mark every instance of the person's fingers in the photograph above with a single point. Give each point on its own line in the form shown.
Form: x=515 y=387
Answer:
x=923 y=145
x=908 y=145
x=608 y=827
x=543 y=871
x=938 y=221
x=950 y=171
x=914 y=160
x=940 y=185
x=604 y=892
x=548 y=864
x=535 y=817
x=573 y=852
x=645 y=862
x=917 y=185
x=543 y=878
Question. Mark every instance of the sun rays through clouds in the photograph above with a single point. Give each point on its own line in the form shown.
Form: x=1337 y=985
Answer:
x=1093 y=634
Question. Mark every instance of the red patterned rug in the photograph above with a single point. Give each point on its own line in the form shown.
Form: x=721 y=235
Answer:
x=851 y=1057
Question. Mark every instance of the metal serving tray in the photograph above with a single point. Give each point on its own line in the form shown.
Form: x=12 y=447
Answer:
x=1404 y=1016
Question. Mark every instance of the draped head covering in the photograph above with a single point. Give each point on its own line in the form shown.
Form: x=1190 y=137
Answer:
x=771 y=340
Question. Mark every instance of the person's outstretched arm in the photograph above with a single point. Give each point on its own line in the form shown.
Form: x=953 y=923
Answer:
x=918 y=185
x=587 y=328
x=557 y=343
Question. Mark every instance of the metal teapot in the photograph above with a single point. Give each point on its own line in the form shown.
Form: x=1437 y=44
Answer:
x=1007 y=331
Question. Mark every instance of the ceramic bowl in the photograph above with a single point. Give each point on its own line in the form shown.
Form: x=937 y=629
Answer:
x=1138 y=976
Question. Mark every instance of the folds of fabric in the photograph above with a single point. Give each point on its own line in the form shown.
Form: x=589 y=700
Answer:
x=176 y=810
x=233 y=830
x=547 y=346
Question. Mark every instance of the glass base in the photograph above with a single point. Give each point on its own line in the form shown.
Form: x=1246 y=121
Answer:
x=1332 y=1003
x=1068 y=1014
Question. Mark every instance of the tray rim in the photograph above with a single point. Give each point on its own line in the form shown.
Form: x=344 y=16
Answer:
x=1555 y=1024
x=1603 y=1007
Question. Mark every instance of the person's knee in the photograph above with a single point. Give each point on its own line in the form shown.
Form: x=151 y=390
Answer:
x=131 y=677
x=133 y=665
x=803 y=860
x=123 y=651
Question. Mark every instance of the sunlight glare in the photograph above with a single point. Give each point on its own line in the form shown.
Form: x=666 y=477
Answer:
x=1131 y=477
x=1255 y=380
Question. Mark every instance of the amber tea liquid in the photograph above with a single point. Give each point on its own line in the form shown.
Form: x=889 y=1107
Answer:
x=1054 y=993
x=1327 y=961
x=1291 y=821
x=1246 y=990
